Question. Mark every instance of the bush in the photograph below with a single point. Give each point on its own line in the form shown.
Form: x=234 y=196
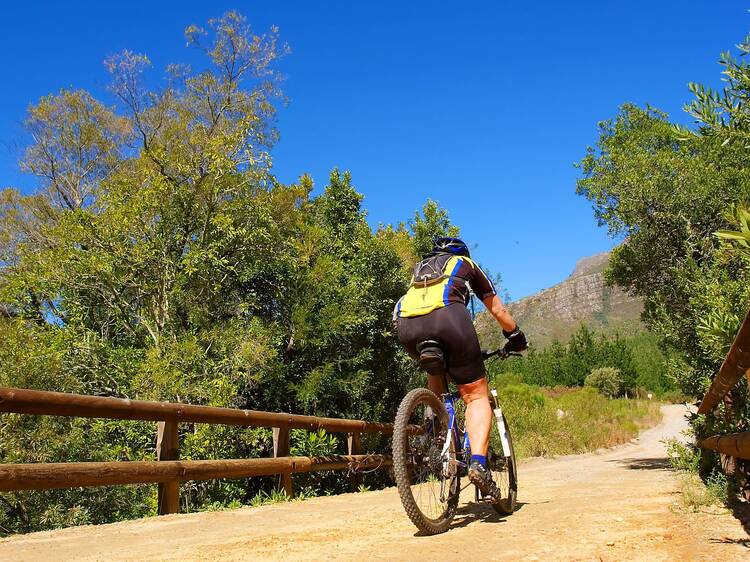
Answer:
x=683 y=457
x=522 y=396
x=607 y=380
x=573 y=422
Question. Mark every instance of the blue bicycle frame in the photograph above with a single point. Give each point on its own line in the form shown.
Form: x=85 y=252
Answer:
x=449 y=400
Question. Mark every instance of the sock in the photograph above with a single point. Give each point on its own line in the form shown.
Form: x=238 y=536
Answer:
x=481 y=459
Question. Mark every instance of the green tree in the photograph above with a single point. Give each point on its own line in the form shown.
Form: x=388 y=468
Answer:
x=160 y=258
x=666 y=189
x=432 y=222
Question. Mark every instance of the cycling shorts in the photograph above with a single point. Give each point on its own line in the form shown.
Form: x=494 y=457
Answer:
x=452 y=327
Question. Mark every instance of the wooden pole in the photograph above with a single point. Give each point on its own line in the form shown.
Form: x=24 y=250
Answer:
x=281 y=449
x=43 y=476
x=168 y=449
x=40 y=402
x=354 y=445
x=732 y=444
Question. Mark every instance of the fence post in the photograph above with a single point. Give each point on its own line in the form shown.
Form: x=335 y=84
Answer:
x=168 y=449
x=281 y=449
x=354 y=443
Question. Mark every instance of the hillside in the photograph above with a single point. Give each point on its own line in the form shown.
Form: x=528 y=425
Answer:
x=557 y=311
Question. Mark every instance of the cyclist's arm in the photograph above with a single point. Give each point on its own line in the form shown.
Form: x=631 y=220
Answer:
x=496 y=307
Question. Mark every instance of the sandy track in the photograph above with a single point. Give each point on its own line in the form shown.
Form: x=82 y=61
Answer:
x=615 y=505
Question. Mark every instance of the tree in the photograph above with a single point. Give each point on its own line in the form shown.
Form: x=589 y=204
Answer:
x=666 y=189
x=432 y=223
x=160 y=258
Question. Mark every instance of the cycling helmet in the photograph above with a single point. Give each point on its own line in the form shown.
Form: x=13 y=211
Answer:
x=446 y=244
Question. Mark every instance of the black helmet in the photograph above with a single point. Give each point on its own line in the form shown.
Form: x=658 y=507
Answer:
x=446 y=244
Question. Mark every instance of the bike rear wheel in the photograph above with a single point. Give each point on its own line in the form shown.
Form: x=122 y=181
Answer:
x=426 y=472
x=501 y=460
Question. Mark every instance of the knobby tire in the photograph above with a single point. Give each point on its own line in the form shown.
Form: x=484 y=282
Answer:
x=401 y=467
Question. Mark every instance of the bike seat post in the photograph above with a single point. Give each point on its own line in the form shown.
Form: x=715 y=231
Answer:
x=432 y=360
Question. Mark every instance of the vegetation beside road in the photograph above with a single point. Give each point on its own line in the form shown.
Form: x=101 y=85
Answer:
x=678 y=199
x=551 y=422
x=637 y=357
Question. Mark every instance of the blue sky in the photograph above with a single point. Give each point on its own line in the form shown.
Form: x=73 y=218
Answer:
x=482 y=106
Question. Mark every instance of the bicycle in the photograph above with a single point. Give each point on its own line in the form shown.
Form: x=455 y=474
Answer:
x=431 y=452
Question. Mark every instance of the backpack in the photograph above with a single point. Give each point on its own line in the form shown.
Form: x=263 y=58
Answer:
x=430 y=270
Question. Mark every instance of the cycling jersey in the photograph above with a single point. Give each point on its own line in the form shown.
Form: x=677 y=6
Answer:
x=461 y=277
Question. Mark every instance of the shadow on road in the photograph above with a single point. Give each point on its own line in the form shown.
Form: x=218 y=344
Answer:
x=474 y=512
x=727 y=540
x=741 y=511
x=657 y=463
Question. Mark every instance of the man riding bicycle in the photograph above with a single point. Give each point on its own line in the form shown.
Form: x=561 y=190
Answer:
x=435 y=308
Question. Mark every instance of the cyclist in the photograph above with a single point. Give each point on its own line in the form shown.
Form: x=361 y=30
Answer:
x=435 y=308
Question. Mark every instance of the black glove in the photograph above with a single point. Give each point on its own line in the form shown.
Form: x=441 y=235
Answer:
x=516 y=340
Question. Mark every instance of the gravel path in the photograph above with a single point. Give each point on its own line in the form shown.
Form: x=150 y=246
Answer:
x=619 y=504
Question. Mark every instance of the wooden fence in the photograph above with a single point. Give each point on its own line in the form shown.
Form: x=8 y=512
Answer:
x=169 y=471
x=736 y=364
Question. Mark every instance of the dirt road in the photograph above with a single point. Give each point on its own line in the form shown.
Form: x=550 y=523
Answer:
x=616 y=505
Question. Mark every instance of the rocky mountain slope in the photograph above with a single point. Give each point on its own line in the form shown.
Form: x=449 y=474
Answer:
x=556 y=312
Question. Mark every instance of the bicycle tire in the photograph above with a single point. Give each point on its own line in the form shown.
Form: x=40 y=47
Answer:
x=503 y=467
x=404 y=470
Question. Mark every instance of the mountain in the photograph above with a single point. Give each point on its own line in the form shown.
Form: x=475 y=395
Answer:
x=554 y=313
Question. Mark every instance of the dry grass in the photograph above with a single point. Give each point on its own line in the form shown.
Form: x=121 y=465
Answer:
x=572 y=422
x=697 y=495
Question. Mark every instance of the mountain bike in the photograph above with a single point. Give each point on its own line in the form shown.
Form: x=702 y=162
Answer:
x=431 y=450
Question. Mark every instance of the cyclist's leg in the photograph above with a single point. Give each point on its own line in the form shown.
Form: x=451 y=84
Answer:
x=478 y=414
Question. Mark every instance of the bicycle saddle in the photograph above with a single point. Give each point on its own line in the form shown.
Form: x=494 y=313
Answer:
x=431 y=357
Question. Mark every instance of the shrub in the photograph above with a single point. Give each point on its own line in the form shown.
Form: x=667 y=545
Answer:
x=588 y=422
x=682 y=456
x=522 y=396
x=607 y=380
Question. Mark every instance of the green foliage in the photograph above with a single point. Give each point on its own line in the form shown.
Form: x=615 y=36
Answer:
x=639 y=360
x=575 y=421
x=695 y=493
x=682 y=456
x=607 y=380
x=650 y=362
x=312 y=443
x=277 y=496
x=432 y=223
x=678 y=197
x=523 y=396
x=161 y=259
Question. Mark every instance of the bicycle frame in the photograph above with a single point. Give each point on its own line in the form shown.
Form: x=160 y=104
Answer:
x=463 y=454
x=449 y=399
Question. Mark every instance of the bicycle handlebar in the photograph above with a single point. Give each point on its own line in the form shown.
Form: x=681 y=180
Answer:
x=501 y=352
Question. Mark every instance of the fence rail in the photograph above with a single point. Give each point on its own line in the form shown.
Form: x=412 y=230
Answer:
x=41 y=402
x=45 y=476
x=168 y=471
x=735 y=365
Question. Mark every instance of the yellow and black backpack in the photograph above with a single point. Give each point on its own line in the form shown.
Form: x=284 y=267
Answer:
x=430 y=283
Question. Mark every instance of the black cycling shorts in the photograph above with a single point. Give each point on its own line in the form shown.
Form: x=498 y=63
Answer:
x=453 y=328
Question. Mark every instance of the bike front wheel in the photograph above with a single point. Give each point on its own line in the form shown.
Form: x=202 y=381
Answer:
x=424 y=461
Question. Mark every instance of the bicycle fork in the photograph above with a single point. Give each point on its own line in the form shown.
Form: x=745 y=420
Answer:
x=502 y=430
